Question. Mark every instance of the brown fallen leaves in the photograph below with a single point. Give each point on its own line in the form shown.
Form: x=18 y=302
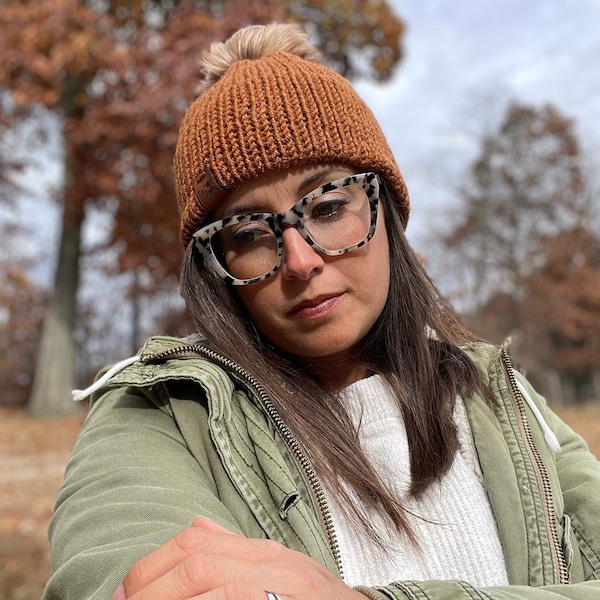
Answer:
x=33 y=453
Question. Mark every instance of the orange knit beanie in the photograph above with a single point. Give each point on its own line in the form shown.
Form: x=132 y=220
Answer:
x=275 y=112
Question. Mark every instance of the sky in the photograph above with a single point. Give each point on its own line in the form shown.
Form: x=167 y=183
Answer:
x=464 y=60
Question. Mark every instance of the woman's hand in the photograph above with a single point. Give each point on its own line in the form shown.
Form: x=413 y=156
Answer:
x=208 y=562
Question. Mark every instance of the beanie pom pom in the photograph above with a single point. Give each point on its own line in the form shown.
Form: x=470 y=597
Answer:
x=252 y=43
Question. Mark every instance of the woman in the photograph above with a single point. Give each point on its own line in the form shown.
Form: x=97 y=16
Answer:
x=332 y=431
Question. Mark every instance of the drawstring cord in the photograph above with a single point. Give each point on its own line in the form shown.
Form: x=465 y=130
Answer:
x=549 y=435
x=79 y=395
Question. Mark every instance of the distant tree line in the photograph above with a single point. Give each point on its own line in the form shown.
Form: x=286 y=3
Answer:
x=523 y=251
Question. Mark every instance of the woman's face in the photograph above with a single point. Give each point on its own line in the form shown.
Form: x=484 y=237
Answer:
x=315 y=307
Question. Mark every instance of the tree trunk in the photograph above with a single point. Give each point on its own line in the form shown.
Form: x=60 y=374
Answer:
x=134 y=295
x=55 y=368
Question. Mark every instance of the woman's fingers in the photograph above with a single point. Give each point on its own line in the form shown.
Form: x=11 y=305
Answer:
x=190 y=563
x=213 y=575
x=203 y=537
x=204 y=523
x=208 y=562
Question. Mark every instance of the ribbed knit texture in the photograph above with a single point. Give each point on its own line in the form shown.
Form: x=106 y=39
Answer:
x=276 y=112
x=457 y=531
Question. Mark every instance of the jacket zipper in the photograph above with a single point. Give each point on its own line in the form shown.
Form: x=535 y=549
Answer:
x=542 y=476
x=288 y=436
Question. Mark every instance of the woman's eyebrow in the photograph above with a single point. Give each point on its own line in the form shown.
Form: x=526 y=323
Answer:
x=308 y=184
x=243 y=209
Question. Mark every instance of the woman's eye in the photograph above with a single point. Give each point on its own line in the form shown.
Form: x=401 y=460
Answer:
x=327 y=208
x=249 y=234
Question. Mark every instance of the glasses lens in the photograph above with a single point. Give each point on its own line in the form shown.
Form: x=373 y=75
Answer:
x=246 y=250
x=337 y=219
x=340 y=218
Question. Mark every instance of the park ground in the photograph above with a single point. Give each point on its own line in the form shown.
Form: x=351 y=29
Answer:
x=33 y=453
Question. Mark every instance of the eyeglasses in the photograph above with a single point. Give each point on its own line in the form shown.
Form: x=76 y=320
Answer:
x=336 y=218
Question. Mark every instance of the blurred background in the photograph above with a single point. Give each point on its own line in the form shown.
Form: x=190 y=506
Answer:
x=492 y=110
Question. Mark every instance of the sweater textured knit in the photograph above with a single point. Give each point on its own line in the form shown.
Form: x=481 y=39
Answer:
x=453 y=521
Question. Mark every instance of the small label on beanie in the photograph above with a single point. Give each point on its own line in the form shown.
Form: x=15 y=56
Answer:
x=208 y=192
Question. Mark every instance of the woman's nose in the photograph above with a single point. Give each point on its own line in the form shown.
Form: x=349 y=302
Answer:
x=300 y=259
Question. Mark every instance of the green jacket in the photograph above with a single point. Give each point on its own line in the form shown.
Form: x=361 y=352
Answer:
x=182 y=432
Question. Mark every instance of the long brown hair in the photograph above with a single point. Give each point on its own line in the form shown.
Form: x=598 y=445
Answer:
x=414 y=345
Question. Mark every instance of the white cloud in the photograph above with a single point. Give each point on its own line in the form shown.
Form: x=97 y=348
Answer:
x=537 y=52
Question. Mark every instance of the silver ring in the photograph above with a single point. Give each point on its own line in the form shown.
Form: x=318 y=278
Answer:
x=272 y=596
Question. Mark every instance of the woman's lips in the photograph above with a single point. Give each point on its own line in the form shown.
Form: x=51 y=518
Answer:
x=315 y=307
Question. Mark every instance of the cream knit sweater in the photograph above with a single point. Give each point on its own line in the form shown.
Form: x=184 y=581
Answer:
x=453 y=519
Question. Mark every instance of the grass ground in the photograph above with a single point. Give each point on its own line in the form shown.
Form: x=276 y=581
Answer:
x=33 y=453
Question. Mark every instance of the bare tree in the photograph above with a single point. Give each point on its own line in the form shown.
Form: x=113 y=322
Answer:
x=517 y=237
